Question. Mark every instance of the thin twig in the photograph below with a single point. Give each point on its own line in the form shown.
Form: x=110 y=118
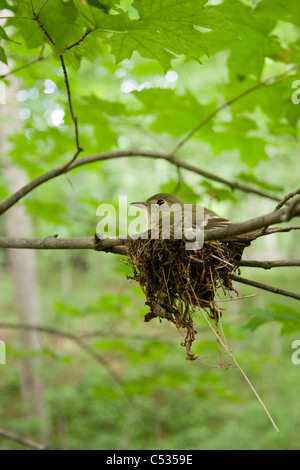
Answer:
x=215 y=366
x=237 y=298
x=179 y=181
x=287 y=198
x=24 y=442
x=269 y=264
x=36 y=18
x=219 y=321
x=238 y=366
x=293 y=208
x=281 y=204
x=88 y=31
x=62 y=61
x=259 y=285
x=17 y=69
x=74 y=118
x=250 y=228
x=232 y=101
x=16 y=18
x=77 y=340
x=271 y=231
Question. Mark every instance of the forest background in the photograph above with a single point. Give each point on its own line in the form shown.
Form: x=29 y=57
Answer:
x=215 y=84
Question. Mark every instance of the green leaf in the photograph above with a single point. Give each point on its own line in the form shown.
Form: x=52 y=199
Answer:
x=164 y=28
x=158 y=40
x=102 y=4
x=53 y=212
x=287 y=316
x=62 y=22
x=246 y=21
x=29 y=30
x=253 y=41
x=246 y=60
x=67 y=309
x=95 y=112
x=285 y=10
x=238 y=136
x=191 y=12
x=102 y=391
x=3 y=34
x=218 y=193
x=173 y=113
x=123 y=46
x=251 y=178
x=3 y=56
x=185 y=192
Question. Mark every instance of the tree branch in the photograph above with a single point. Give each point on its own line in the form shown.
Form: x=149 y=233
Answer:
x=24 y=442
x=9 y=202
x=75 y=339
x=269 y=264
x=88 y=31
x=36 y=18
x=281 y=204
x=74 y=118
x=266 y=287
x=111 y=245
x=287 y=198
x=261 y=84
x=271 y=231
x=247 y=230
x=117 y=245
x=62 y=61
x=38 y=59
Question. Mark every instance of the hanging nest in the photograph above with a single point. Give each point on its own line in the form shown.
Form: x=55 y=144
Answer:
x=176 y=281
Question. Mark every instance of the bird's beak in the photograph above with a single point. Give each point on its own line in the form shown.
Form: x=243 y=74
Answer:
x=139 y=204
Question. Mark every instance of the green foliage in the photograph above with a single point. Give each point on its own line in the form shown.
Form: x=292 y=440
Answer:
x=117 y=54
x=164 y=27
x=173 y=114
x=3 y=57
x=161 y=32
x=287 y=316
x=3 y=34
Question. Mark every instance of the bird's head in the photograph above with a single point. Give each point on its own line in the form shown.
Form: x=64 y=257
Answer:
x=161 y=202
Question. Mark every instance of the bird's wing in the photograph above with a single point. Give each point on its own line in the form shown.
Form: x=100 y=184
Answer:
x=213 y=220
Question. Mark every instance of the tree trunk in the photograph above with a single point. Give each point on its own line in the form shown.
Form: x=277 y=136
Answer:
x=22 y=264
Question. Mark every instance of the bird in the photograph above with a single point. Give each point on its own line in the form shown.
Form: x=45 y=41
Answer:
x=163 y=210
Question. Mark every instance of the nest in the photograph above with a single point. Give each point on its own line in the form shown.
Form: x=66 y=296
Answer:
x=177 y=281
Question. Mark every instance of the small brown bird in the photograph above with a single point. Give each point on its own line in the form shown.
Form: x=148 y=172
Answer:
x=162 y=209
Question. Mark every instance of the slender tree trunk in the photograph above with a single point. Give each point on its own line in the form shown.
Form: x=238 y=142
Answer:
x=24 y=276
x=23 y=271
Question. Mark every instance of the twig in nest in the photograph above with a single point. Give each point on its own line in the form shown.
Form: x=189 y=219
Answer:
x=219 y=322
x=241 y=370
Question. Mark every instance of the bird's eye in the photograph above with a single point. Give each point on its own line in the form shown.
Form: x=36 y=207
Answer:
x=160 y=202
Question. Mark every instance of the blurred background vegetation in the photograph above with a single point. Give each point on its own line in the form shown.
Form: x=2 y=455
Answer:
x=138 y=391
